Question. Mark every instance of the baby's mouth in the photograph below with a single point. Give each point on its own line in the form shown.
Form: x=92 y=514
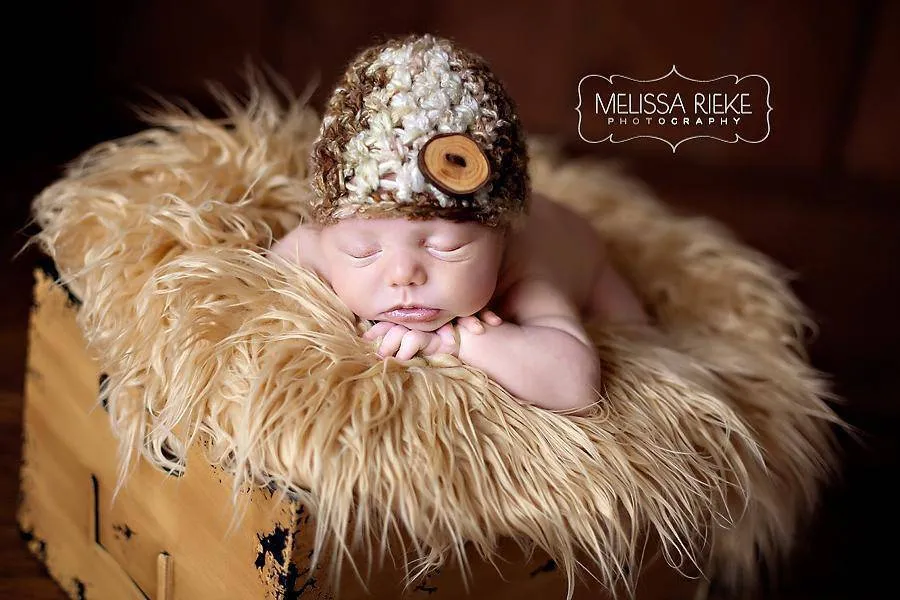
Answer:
x=412 y=314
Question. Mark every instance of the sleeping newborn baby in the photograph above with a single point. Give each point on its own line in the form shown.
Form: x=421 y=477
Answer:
x=423 y=221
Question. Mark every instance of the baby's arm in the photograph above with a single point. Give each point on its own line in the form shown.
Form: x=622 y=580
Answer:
x=544 y=357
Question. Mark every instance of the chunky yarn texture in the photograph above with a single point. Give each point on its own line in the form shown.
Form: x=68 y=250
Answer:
x=392 y=99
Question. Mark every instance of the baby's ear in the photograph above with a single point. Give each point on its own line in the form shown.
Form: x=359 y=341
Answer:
x=311 y=224
x=513 y=227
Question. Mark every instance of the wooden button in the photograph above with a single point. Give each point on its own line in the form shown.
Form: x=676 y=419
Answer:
x=454 y=163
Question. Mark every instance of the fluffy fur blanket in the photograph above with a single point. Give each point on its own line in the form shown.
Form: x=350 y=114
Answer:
x=713 y=437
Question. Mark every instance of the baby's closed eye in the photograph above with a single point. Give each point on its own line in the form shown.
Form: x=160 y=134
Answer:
x=361 y=251
x=447 y=250
x=444 y=243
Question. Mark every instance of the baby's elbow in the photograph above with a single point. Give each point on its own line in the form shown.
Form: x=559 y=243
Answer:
x=585 y=384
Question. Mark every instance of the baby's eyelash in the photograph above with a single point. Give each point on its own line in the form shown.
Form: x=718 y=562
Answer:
x=361 y=253
x=453 y=248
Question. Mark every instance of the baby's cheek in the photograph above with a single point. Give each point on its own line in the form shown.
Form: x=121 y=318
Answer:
x=479 y=289
x=352 y=293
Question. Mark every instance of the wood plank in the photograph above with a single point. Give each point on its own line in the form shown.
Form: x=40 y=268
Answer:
x=164 y=577
x=69 y=442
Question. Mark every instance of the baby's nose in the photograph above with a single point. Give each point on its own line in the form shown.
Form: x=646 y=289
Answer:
x=406 y=271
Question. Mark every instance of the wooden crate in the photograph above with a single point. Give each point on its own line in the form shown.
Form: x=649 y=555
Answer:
x=167 y=537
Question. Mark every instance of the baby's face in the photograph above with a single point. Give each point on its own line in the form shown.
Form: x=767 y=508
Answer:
x=420 y=274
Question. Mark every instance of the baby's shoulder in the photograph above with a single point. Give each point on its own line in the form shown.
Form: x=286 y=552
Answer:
x=555 y=245
x=554 y=233
x=521 y=270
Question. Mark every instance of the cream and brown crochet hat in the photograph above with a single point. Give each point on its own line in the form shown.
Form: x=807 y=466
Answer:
x=421 y=128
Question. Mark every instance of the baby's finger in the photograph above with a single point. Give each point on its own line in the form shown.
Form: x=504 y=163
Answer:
x=377 y=330
x=436 y=345
x=471 y=324
x=491 y=318
x=411 y=343
x=447 y=335
x=391 y=341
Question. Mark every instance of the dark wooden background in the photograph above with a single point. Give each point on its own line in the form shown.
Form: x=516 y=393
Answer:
x=821 y=194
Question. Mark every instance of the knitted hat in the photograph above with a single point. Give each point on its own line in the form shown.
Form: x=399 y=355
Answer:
x=421 y=128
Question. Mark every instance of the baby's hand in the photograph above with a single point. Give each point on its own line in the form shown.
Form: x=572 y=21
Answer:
x=406 y=343
x=474 y=323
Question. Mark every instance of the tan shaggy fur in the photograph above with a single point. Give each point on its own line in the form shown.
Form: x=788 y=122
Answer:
x=713 y=436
